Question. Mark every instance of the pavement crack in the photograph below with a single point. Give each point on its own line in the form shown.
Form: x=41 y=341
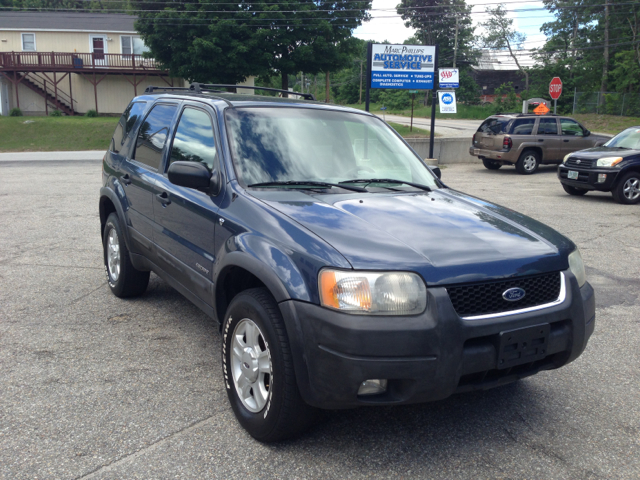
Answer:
x=142 y=451
x=86 y=294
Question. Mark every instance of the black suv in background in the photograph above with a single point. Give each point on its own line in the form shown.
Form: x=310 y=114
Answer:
x=341 y=271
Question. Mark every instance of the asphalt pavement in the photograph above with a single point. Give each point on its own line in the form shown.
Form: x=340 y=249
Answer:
x=92 y=386
x=444 y=127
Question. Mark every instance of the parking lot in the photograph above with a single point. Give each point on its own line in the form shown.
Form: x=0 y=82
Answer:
x=92 y=386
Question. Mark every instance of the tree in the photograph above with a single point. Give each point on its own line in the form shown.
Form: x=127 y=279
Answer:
x=203 y=42
x=501 y=35
x=436 y=22
x=225 y=43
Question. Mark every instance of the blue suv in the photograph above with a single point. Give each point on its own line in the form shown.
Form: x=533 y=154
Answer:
x=341 y=271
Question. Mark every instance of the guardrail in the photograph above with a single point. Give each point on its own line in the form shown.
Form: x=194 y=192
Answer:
x=62 y=61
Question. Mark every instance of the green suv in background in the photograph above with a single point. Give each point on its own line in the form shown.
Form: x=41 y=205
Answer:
x=528 y=140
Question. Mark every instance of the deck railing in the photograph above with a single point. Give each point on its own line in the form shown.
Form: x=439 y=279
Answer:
x=63 y=61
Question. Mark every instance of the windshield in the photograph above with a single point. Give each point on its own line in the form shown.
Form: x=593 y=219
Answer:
x=629 y=138
x=304 y=144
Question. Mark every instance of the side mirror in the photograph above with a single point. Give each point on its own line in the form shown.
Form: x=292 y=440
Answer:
x=436 y=171
x=190 y=174
x=586 y=132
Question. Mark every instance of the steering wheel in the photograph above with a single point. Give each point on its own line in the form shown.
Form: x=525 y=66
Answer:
x=360 y=168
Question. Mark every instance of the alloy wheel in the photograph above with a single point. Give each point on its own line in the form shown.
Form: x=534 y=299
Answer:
x=113 y=255
x=631 y=188
x=529 y=163
x=251 y=365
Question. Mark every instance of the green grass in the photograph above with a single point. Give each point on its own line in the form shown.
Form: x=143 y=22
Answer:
x=403 y=130
x=612 y=124
x=48 y=134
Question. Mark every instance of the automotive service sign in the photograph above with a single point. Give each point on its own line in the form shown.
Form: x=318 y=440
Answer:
x=449 y=78
x=447 y=102
x=402 y=66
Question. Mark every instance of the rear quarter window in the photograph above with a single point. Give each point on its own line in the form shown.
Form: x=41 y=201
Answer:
x=126 y=123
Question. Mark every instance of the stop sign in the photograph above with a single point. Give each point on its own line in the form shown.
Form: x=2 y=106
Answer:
x=555 y=88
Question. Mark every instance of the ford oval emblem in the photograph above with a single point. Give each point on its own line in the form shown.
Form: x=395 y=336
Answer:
x=513 y=294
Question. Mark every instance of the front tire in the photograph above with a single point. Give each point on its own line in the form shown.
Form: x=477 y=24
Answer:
x=574 y=190
x=257 y=366
x=490 y=164
x=528 y=162
x=627 y=189
x=123 y=279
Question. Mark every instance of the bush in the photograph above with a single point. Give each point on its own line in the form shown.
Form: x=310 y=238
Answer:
x=15 y=112
x=91 y=114
x=55 y=113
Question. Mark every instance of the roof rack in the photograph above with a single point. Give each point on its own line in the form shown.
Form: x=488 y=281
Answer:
x=513 y=114
x=151 y=88
x=198 y=87
x=190 y=88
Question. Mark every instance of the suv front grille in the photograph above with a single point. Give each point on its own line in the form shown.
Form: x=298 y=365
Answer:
x=579 y=163
x=486 y=298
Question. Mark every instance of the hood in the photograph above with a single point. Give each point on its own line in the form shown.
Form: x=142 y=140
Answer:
x=446 y=236
x=600 y=152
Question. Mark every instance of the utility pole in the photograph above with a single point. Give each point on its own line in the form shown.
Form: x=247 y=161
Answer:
x=327 y=96
x=455 y=45
x=360 y=100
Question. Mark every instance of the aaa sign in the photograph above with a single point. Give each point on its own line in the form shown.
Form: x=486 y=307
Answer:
x=555 y=88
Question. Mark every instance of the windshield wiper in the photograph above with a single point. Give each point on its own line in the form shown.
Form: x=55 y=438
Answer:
x=387 y=180
x=304 y=183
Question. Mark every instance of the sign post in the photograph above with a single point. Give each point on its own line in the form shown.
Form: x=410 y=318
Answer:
x=555 y=90
x=434 y=95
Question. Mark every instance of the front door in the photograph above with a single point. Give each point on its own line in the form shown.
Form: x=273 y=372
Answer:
x=98 y=45
x=573 y=138
x=185 y=218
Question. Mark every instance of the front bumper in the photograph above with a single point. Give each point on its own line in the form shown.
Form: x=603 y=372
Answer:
x=507 y=156
x=425 y=357
x=588 y=178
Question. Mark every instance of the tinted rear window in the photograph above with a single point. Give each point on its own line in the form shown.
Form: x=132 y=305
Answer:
x=493 y=125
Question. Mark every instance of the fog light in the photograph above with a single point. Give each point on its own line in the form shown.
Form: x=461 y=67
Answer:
x=373 y=387
x=602 y=177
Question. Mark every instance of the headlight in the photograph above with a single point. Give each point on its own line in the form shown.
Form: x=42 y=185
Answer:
x=384 y=293
x=577 y=267
x=566 y=157
x=609 y=161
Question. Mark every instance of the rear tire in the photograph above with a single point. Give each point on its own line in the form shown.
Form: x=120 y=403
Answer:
x=528 y=162
x=257 y=366
x=627 y=189
x=123 y=279
x=574 y=190
x=490 y=164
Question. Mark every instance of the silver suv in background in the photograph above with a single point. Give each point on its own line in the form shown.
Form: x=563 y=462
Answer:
x=528 y=140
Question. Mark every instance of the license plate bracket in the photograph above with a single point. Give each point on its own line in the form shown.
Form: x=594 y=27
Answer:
x=572 y=175
x=523 y=345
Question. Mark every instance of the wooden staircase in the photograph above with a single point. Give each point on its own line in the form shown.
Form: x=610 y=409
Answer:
x=37 y=85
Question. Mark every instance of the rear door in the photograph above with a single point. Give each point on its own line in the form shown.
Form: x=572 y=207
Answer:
x=548 y=137
x=140 y=170
x=185 y=217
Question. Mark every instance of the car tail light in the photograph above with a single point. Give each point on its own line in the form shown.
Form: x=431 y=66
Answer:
x=507 y=143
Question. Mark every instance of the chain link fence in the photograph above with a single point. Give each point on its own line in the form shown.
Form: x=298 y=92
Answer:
x=609 y=103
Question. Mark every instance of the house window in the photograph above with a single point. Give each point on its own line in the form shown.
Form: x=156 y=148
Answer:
x=130 y=44
x=28 y=42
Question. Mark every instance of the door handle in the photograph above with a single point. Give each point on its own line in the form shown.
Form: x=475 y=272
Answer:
x=163 y=198
x=565 y=140
x=541 y=139
x=126 y=179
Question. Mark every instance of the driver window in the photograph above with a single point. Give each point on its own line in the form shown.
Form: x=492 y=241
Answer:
x=194 y=140
x=571 y=127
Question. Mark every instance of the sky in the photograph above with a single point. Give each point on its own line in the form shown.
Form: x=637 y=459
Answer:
x=387 y=25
